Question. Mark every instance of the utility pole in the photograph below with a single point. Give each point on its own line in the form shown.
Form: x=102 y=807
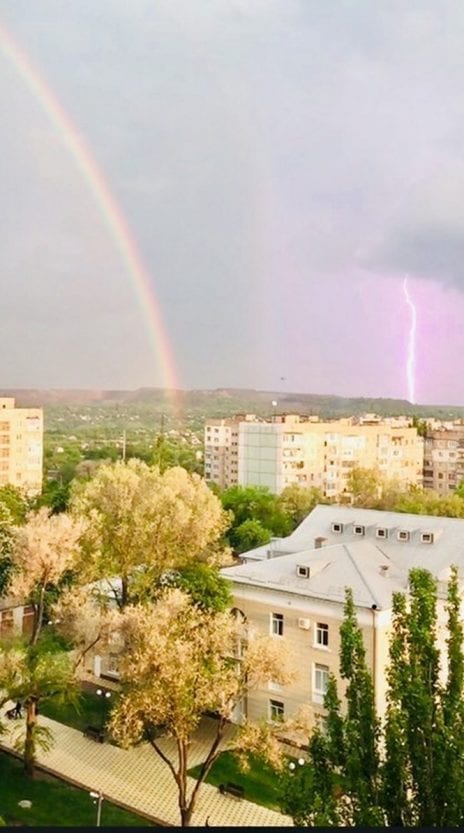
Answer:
x=124 y=446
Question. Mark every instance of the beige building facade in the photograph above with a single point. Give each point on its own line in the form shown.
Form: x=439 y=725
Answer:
x=444 y=458
x=21 y=446
x=295 y=592
x=304 y=450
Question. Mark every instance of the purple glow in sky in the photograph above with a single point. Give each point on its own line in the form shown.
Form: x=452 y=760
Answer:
x=411 y=350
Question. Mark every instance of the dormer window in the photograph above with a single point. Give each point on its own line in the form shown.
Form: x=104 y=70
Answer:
x=381 y=532
x=426 y=537
x=358 y=529
x=303 y=571
x=337 y=527
x=403 y=535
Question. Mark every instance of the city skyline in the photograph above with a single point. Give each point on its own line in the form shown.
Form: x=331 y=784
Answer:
x=273 y=171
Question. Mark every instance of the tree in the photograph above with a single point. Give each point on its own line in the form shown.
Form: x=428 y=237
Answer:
x=33 y=674
x=342 y=787
x=204 y=584
x=43 y=553
x=298 y=501
x=14 y=503
x=182 y=662
x=365 y=487
x=44 y=550
x=254 y=503
x=424 y=769
x=143 y=522
x=248 y=535
x=6 y=544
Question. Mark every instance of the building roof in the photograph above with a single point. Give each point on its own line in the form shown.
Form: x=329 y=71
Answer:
x=358 y=564
x=374 y=567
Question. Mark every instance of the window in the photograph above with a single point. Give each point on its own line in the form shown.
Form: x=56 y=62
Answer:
x=272 y=686
x=321 y=681
x=277 y=624
x=381 y=533
x=337 y=527
x=276 y=711
x=358 y=529
x=321 y=723
x=403 y=535
x=303 y=572
x=322 y=635
x=427 y=537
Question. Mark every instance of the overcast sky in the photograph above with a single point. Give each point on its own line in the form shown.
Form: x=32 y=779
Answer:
x=282 y=164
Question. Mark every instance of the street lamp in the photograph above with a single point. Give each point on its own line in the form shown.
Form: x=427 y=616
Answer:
x=102 y=693
x=98 y=800
x=292 y=765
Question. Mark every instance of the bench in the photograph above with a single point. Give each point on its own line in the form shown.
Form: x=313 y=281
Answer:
x=94 y=733
x=232 y=789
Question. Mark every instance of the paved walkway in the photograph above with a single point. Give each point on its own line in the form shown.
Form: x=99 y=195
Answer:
x=137 y=779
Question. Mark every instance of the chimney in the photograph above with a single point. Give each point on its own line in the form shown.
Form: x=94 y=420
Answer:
x=319 y=542
x=384 y=569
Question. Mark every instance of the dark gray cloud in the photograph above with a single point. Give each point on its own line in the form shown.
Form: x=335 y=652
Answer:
x=261 y=151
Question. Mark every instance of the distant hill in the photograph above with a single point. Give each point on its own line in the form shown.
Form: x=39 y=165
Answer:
x=226 y=401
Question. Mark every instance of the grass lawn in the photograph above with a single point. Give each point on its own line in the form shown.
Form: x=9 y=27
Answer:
x=54 y=803
x=91 y=710
x=261 y=783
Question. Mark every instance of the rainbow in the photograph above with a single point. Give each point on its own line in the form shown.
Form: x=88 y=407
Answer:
x=105 y=201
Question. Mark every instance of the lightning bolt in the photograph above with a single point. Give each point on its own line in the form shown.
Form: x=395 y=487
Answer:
x=411 y=355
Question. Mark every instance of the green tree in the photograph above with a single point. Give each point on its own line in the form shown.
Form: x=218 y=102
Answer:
x=298 y=501
x=204 y=584
x=413 y=777
x=6 y=545
x=255 y=503
x=14 y=503
x=365 y=487
x=248 y=535
x=32 y=674
x=344 y=787
x=453 y=712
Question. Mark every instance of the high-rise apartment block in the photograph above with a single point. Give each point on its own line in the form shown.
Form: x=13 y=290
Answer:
x=444 y=456
x=21 y=446
x=293 y=449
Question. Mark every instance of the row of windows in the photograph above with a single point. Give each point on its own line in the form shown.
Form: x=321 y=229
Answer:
x=321 y=629
x=382 y=532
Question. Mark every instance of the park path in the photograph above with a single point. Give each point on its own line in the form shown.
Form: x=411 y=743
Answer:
x=138 y=780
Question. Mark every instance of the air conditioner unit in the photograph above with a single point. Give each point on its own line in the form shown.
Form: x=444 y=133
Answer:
x=304 y=624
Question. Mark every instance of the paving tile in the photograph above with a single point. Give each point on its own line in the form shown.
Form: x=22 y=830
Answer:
x=138 y=778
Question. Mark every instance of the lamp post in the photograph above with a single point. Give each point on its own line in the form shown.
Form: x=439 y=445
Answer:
x=292 y=765
x=100 y=692
x=98 y=800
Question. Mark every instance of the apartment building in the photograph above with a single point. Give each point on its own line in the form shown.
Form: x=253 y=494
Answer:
x=21 y=446
x=294 y=590
x=444 y=457
x=221 y=449
x=305 y=450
